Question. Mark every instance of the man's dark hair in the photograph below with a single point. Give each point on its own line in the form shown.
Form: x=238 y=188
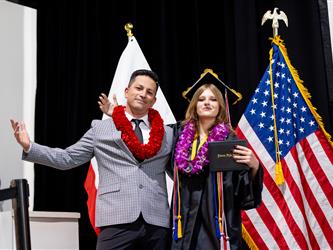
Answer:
x=144 y=72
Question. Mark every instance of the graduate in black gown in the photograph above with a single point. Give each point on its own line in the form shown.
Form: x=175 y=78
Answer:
x=207 y=205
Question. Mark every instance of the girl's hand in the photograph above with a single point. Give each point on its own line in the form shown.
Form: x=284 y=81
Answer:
x=245 y=155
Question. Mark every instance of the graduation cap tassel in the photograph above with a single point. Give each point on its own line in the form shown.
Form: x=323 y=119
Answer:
x=226 y=241
x=217 y=227
x=177 y=223
x=227 y=107
x=220 y=201
x=224 y=238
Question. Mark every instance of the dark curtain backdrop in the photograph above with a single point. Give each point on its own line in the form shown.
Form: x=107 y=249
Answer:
x=79 y=44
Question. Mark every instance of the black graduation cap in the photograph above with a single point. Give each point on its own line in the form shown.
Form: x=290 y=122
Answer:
x=208 y=76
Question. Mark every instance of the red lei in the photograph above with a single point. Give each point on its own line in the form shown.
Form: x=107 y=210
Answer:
x=139 y=150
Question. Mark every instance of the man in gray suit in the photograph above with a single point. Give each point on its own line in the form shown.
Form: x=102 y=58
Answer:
x=131 y=208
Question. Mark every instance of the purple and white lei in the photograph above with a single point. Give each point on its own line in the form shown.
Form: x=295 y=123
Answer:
x=182 y=155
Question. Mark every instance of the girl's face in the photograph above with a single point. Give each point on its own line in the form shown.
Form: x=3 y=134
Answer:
x=207 y=105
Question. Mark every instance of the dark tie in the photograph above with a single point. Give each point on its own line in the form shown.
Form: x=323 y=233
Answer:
x=137 y=129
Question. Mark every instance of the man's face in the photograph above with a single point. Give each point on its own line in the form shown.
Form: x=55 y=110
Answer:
x=141 y=95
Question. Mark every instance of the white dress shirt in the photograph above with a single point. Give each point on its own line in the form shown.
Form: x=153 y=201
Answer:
x=144 y=126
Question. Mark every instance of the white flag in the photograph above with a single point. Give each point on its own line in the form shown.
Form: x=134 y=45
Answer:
x=131 y=59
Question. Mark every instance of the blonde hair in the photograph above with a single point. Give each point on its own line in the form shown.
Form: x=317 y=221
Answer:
x=191 y=112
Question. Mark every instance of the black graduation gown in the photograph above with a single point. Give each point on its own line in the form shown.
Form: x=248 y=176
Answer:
x=197 y=207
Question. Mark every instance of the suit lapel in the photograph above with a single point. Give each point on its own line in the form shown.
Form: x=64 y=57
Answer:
x=162 y=149
x=117 y=139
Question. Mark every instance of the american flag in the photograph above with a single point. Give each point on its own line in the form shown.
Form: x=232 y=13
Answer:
x=280 y=122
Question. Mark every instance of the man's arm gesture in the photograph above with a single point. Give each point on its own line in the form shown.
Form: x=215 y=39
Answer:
x=21 y=134
x=105 y=105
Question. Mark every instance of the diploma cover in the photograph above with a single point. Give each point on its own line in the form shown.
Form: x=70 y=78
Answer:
x=220 y=156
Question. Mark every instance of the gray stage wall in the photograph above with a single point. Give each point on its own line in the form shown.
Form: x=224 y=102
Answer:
x=17 y=88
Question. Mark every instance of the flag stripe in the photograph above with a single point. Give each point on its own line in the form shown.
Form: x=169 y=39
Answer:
x=274 y=222
x=292 y=179
x=257 y=224
x=317 y=217
x=254 y=232
x=281 y=203
x=315 y=197
x=323 y=152
x=272 y=190
x=289 y=215
x=323 y=186
x=91 y=190
x=283 y=214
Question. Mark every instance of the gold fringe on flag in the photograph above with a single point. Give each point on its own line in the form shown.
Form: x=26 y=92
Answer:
x=248 y=239
x=305 y=93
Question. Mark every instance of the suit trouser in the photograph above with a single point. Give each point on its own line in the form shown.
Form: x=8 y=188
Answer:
x=134 y=236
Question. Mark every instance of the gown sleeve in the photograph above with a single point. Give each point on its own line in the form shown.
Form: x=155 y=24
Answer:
x=247 y=189
x=176 y=131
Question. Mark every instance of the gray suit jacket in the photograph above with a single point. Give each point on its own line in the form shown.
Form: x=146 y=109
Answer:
x=126 y=187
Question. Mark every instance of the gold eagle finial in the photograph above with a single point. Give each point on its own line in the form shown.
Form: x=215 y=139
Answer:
x=275 y=17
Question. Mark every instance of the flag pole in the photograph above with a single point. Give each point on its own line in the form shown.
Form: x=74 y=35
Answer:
x=275 y=17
